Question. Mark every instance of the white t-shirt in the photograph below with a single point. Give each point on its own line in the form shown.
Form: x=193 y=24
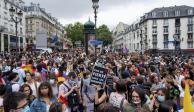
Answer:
x=33 y=87
x=180 y=78
x=15 y=87
x=115 y=99
x=1 y=102
x=47 y=108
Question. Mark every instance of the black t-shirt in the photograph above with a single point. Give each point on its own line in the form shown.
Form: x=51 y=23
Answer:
x=131 y=85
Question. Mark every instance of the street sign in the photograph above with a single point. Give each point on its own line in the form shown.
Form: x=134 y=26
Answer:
x=95 y=42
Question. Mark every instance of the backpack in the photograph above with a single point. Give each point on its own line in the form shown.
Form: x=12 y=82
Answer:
x=9 y=87
x=73 y=98
x=121 y=106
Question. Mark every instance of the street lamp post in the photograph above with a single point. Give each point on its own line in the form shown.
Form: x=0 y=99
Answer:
x=177 y=44
x=141 y=42
x=95 y=6
x=16 y=20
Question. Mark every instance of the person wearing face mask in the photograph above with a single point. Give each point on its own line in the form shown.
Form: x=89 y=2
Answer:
x=158 y=98
x=54 y=86
x=138 y=101
x=16 y=102
x=69 y=93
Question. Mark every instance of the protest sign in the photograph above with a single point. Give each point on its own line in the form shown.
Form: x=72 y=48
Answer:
x=109 y=81
x=99 y=76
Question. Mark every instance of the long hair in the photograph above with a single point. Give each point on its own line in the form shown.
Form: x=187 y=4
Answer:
x=141 y=94
x=24 y=86
x=50 y=91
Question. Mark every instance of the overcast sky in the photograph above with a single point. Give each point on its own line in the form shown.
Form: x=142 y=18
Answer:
x=110 y=12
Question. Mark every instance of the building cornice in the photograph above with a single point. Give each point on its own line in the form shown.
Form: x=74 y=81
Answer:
x=13 y=4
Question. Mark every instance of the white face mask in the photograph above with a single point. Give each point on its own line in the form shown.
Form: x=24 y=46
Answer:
x=136 y=102
x=52 y=81
x=64 y=110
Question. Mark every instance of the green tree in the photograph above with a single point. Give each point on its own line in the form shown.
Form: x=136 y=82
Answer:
x=75 y=32
x=104 y=34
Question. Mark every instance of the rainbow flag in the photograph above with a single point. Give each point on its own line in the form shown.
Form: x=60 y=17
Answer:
x=29 y=68
x=187 y=100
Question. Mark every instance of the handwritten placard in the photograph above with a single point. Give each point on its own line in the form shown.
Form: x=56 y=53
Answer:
x=98 y=76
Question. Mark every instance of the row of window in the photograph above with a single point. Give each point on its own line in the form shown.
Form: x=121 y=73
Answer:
x=177 y=13
x=11 y=29
x=177 y=30
x=13 y=1
x=177 y=21
x=166 y=41
x=166 y=45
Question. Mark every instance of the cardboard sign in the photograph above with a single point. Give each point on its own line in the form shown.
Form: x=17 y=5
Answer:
x=98 y=76
x=109 y=81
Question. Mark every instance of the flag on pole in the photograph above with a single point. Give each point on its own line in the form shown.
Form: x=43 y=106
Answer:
x=187 y=100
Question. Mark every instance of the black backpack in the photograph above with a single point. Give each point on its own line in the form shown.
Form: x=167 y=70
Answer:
x=9 y=87
x=73 y=98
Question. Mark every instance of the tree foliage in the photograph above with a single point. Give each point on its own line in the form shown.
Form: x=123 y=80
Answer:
x=104 y=34
x=75 y=32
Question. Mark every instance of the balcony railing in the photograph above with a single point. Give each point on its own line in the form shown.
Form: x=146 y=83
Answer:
x=177 y=31
x=154 y=41
x=189 y=39
x=191 y=31
x=154 y=32
x=165 y=32
x=177 y=24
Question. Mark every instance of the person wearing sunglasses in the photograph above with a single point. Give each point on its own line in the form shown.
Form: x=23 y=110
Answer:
x=16 y=102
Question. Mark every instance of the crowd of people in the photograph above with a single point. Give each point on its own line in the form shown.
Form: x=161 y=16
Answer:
x=60 y=82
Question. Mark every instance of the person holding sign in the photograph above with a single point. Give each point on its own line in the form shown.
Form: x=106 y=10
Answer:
x=100 y=98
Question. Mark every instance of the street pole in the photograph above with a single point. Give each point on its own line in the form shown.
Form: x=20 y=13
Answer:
x=16 y=21
x=16 y=34
x=95 y=17
x=95 y=7
x=141 y=43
